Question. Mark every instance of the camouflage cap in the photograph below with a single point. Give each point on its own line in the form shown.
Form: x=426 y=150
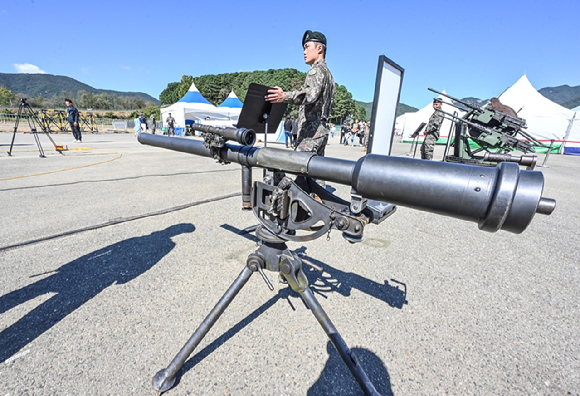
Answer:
x=309 y=35
x=437 y=100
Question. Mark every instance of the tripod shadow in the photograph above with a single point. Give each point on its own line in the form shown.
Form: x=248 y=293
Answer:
x=336 y=379
x=394 y=294
x=244 y=233
x=79 y=281
x=343 y=282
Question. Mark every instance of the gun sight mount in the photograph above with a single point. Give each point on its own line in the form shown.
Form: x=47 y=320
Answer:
x=243 y=136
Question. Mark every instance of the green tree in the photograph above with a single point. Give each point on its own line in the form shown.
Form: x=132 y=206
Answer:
x=36 y=103
x=216 y=87
x=184 y=86
x=85 y=99
x=7 y=97
x=343 y=105
x=360 y=112
x=170 y=94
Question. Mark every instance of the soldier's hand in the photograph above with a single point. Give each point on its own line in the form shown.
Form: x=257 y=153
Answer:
x=275 y=95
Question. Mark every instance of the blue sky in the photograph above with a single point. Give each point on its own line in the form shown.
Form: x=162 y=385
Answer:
x=467 y=48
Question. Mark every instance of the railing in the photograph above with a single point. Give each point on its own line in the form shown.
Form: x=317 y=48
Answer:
x=8 y=121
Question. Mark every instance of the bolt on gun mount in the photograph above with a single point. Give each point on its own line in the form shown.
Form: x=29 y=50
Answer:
x=496 y=198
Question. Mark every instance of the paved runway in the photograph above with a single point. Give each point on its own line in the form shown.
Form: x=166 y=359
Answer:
x=112 y=253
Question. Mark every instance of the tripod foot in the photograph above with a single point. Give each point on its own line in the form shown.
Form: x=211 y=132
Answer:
x=162 y=382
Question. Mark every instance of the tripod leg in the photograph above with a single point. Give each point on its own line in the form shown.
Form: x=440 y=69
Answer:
x=291 y=269
x=15 y=129
x=165 y=379
x=40 y=150
x=345 y=353
x=13 y=136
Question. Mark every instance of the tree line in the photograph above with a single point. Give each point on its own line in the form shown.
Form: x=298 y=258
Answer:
x=216 y=88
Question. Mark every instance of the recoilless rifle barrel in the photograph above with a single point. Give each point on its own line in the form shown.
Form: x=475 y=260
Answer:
x=502 y=197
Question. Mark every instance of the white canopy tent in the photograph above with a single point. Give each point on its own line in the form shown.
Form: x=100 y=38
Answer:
x=194 y=107
x=545 y=119
x=232 y=107
x=407 y=123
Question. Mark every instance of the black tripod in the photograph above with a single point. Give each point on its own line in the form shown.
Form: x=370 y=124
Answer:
x=33 y=123
x=285 y=211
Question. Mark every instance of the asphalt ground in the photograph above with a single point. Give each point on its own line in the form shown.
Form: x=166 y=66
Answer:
x=112 y=254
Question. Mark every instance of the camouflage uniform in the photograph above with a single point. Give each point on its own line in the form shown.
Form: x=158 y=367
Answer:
x=315 y=99
x=431 y=135
x=170 y=126
x=153 y=123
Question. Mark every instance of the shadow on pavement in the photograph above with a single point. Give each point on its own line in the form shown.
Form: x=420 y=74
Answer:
x=335 y=280
x=336 y=379
x=79 y=281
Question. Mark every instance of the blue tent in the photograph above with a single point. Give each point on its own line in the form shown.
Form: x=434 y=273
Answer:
x=194 y=96
x=192 y=107
x=232 y=102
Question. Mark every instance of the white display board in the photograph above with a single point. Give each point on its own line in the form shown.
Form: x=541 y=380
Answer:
x=387 y=92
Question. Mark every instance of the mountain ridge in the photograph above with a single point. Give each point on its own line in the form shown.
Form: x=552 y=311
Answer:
x=48 y=85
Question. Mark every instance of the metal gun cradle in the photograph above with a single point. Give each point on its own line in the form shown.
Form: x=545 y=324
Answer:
x=502 y=197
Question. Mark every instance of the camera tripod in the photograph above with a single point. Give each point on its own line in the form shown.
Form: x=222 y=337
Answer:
x=287 y=212
x=33 y=123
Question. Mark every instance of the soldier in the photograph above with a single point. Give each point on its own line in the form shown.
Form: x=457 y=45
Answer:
x=432 y=131
x=153 y=123
x=315 y=96
x=170 y=125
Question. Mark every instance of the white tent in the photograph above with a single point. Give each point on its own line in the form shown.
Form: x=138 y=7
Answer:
x=232 y=106
x=576 y=109
x=546 y=120
x=194 y=107
x=407 y=123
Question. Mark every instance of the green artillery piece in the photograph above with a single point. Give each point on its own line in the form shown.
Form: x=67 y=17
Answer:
x=494 y=128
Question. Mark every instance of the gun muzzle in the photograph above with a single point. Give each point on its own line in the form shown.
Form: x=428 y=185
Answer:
x=245 y=137
x=502 y=197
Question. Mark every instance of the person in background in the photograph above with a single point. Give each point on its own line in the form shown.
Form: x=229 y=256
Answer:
x=137 y=126
x=153 y=123
x=288 y=131
x=143 y=122
x=170 y=125
x=367 y=134
x=354 y=131
x=73 y=119
x=343 y=132
x=432 y=131
x=361 y=132
x=294 y=131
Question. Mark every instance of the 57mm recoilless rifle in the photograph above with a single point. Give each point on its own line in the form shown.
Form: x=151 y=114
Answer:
x=497 y=130
x=502 y=197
